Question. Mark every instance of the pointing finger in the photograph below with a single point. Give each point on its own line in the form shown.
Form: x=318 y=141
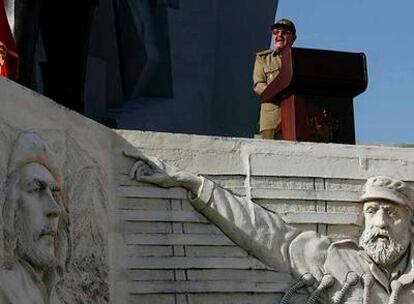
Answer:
x=133 y=170
x=137 y=168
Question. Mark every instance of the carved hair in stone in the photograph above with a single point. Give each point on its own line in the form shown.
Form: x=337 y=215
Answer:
x=31 y=158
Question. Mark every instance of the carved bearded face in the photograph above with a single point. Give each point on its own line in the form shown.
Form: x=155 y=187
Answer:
x=37 y=216
x=387 y=231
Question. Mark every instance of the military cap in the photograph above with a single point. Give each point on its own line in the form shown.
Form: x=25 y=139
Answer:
x=285 y=23
x=387 y=188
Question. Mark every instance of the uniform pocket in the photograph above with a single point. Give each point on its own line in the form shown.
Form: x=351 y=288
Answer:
x=267 y=106
x=270 y=69
x=271 y=73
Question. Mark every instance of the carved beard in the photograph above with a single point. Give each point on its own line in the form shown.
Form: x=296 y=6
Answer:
x=382 y=247
x=28 y=250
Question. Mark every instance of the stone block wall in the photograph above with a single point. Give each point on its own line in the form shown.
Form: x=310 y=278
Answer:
x=136 y=243
x=174 y=255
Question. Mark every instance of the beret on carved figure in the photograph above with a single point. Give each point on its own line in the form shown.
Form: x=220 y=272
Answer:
x=387 y=188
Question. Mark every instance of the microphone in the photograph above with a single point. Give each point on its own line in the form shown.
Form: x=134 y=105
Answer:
x=395 y=290
x=326 y=282
x=368 y=281
x=350 y=280
x=306 y=279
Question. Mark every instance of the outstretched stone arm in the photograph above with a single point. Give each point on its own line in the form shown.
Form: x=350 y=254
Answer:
x=260 y=232
x=155 y=171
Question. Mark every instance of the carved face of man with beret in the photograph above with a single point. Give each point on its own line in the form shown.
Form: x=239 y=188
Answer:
x=387 y=210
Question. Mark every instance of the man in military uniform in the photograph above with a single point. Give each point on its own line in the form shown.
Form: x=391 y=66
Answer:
x=266 y=69
x=378 y=268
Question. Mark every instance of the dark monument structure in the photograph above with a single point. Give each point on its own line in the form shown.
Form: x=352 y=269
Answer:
x=65 y=39
x=171 y=65
x=58 y=45
x=144 y=46
x=315 y=90
x=180 y=66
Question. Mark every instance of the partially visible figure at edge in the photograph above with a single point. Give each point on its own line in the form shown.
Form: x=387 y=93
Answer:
x=35 y=226
x=376 y=269
x=266 y=68
x=9 y=60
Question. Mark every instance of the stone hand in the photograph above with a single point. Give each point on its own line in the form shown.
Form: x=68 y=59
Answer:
x=155 y=171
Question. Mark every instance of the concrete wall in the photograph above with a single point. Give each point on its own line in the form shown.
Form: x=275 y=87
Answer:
x=137 y=243
x=174 y=255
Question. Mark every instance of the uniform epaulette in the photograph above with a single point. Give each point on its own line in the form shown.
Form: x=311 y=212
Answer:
x=265 y=52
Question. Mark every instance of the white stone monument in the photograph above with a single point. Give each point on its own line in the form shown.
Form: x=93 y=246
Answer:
x=125 y=241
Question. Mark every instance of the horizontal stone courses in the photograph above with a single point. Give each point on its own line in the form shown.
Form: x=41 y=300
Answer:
x=320 y=195
x=201 y=228
x=137 y=251
x=209 y=298
x=227 y=155
x=134 y=203
x=174 y=255
x=177 y=239
x=165 y=193
x=202 y=275
x=236 y=274
x=236 y=180
x=192 y=216
x=153 y=298
x=240 y=298
x=161 y=216
x=328 y=166
x=194 y=263
x=322 y=218
x=152 y=192
x=256 y=193
x=144 y=275
x=143 y=287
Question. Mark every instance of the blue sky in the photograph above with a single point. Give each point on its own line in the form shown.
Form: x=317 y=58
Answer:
x=383 y=30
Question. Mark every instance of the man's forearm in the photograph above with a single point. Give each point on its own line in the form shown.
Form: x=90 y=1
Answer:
x=258 y=231
x=190 y=181
x=259 y=87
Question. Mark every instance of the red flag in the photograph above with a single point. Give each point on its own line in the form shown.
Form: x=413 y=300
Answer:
x=9 y=60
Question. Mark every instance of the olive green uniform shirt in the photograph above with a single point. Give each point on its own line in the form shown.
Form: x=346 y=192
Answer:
x=266 y=68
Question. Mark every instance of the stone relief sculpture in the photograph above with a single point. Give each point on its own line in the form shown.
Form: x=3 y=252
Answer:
x=35 y=222
x=54 y=245
x=86 y=280
x=377 y=268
